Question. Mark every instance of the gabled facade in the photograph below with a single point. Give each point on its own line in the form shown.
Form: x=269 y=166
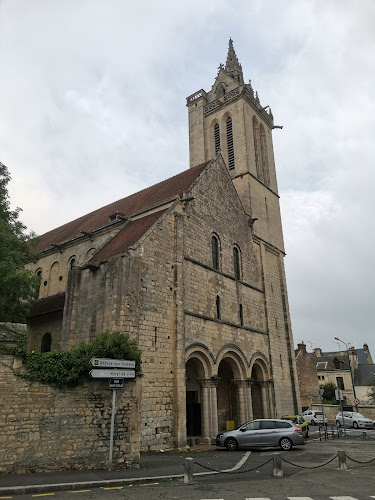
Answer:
x=193 y=269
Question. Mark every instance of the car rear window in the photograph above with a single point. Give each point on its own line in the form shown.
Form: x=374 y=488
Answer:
x=283 y=425
x=267 y=424
x=318 y=413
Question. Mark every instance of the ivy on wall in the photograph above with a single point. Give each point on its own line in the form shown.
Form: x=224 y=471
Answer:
x=70 y=368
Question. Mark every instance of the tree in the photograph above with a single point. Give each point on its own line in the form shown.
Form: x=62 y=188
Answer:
x=18 y=286
x=329 y=393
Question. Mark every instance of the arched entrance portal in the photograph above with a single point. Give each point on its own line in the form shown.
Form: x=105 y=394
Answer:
x=260 y=391
x=227 y=404
x=194 y=372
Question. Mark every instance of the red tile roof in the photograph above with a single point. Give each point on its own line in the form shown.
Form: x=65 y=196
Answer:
x=126 y=237
x=174 y=186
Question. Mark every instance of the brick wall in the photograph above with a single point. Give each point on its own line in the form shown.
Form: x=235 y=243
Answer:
x=44 y=429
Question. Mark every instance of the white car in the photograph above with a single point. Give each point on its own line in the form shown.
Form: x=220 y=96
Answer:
x=353 y=419
x=314 y=417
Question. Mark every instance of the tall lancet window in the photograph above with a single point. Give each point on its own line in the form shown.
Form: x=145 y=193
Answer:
x=217 y=138
x=215 y=252
x=263 y=148
x=257 y=148
x=230 y=143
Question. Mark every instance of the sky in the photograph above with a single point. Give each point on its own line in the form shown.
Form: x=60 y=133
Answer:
x=92 y=109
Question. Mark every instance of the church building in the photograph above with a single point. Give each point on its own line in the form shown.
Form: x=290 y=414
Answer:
x=193 y=269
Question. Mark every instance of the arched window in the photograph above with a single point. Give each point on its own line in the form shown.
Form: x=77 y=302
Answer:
x=240 y=314
x=263 y=149
x=257 y=148
x=236 y=263
x=217 y=138
x=230 y=143
x=218 y=313
x=46 y=343
x=215 y=252
x=73 y=264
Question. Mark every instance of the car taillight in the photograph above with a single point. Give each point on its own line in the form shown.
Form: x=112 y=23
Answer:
x=297 y=431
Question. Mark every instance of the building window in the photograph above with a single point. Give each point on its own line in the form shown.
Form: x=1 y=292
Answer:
x=73 y=264
x=337 y=365
x=215 y=252
x=230 y=143
x=340 y=383
x=263 y=149
x=257 y=147
x=236 y=263
x=218 y=314
x=217 y=138
x=240 y=313
x=46 y=343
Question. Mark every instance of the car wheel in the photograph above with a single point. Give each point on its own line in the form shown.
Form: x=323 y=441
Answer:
x=313 y=422
x=286 y=444
x=355 y=425
x=231 y=444
x=338 y=423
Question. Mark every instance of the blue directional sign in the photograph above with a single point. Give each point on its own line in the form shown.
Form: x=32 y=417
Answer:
x=116 y=383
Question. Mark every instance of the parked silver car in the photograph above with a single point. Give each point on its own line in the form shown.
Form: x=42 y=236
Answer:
x=354 y=419
x=314 y=417
x=262 y=433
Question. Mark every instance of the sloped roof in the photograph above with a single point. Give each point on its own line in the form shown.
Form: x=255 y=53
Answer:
x=126 y=237
x=48 y=305
x=364 y=375
x=153 y=195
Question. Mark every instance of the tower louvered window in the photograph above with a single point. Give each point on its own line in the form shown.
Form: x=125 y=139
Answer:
x=256 y=148
x=263 y=148
x=217 y=138
x=230 y=143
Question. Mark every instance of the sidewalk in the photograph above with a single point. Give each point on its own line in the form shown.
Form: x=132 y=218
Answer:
x=156 y=466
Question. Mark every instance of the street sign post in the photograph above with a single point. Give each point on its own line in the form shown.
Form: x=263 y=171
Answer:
x=321 y=392
x=115 y=370
x=356 y=401
x=340 y=396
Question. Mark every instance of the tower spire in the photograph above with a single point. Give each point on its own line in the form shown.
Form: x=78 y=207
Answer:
x=232 y=66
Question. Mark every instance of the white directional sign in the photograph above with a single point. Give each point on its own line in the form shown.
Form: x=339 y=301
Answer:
x=112 y=373
x=112 y=363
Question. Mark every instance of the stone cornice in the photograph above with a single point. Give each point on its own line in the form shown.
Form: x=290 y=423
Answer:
x=222 y=322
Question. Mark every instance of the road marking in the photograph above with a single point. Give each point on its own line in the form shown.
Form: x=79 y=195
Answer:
x=240 y=463
x=299 y=498
x=148 y=484
x=79 y=491
x=43 y=495
x=113 y=488
x=343 y=498
x=3 y=498
x=260 y=498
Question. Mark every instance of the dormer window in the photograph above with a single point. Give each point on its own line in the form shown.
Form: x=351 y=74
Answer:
x=116 y=216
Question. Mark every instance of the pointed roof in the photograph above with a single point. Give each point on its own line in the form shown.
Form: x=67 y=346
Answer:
x=135 y=203
x=232 y=66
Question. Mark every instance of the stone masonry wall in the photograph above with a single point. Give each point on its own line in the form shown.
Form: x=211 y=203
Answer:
x=44 y=429
x=307 y=376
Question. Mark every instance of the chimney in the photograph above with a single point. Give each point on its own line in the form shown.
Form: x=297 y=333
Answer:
x=302 y=347
x=317 y=352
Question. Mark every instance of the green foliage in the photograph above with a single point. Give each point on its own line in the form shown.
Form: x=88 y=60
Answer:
x=329 y=393
x=70 y=368
x=18 y=285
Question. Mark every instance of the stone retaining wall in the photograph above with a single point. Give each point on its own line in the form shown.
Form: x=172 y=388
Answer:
x=44 y=429
x=332 y=410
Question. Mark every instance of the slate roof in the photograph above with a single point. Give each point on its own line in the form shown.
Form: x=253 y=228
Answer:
x=153 y=195
x=364 y=374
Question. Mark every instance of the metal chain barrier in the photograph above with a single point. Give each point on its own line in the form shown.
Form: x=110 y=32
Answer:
x=232 y=472
x=313 y=467
x=360 y=462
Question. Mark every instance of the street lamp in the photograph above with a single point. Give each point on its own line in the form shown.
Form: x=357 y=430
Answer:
x=351 y=373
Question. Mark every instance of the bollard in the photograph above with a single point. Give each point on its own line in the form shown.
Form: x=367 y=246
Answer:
x=342 y=460
x=188 y=470
x=277 y=466
x=364 y=435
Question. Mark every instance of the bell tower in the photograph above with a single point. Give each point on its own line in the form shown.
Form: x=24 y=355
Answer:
x=229 y=119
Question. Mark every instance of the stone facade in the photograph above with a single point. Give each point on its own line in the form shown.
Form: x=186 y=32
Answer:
x=307 y=377
x=44 y=429
x=193 y=269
